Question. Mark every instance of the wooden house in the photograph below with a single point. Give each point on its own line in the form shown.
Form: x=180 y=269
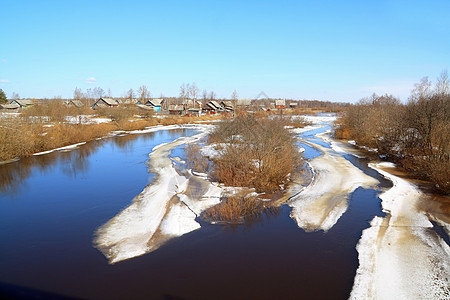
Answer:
x=176 y=109
x=105 y=102
x=227 y=106
x=293 y=104
x=23 y=103
x=156 y=104
x=213 y=107
x=11 y=106
x=280 y=104
x=194 y=111
x=74 y=103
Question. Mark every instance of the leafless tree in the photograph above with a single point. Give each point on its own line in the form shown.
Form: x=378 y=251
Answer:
x=130 y=94
x=234 y=97
x=15 y=96
x=98 y=92
x=205 y=95
x=194 y=91
x=443 y=84
x=77 y=94
x=143 y=93
x=212 y=95
x=183 y=91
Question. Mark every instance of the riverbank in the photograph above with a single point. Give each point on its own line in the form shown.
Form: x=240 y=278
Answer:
x=20 y=138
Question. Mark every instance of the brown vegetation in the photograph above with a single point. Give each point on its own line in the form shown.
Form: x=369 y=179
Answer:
x=44 y=126
x=235 y=208
x=415 y=135
x=257 y=153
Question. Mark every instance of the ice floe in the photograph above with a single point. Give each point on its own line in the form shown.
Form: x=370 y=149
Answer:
x=320 y=204
x=165 y=209
x=400 y=255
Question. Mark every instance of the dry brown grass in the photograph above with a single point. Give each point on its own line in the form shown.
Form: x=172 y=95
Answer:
x=195 y=160
x=24 y=135
x=235 y=208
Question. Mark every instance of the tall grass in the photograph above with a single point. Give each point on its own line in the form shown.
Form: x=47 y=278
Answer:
x=235 y=208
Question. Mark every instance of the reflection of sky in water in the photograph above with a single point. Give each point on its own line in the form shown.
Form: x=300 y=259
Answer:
x=310 y=152
x=61 y=198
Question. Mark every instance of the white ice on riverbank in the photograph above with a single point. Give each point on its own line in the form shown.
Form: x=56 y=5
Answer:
x=400 y=256
x=70 y=147
x=166 y=208
x=321 y=204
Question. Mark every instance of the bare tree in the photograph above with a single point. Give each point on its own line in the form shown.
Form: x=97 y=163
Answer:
x=183 y=91
x=130 y=95
x=188 y=91
x=212 y=95
x=109 y=93
x=422 y=90
x=205 y=95
x=143 y=93
x=15 y=96
x=77 y=94
x=443 y=84
x=98 y=92
x=234 y=96
x=194 y=91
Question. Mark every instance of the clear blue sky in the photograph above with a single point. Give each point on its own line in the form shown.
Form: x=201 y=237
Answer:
x=327 y=50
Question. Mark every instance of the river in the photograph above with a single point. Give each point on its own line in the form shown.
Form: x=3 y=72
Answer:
x=54 y=207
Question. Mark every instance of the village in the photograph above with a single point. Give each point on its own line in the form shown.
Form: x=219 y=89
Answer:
x=176 y=106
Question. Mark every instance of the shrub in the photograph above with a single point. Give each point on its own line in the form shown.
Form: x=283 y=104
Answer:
x=257 y=153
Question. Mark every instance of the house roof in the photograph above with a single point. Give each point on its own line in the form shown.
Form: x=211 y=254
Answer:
x=109 y=101
x=10 y=106
x=280 y=102
x=244 y=102
x=76 y=103
x=227 y=103
x=154 y=102
x=214 y=104
x=23 y=102
x=146 y=107
x=176 y=107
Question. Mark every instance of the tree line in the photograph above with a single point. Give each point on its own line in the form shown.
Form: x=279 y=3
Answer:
x=415 y=135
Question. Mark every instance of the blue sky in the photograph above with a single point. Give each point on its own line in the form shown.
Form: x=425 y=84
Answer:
x=327 y=50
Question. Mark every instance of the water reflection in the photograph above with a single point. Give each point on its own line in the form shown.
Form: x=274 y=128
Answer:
x=13 y=176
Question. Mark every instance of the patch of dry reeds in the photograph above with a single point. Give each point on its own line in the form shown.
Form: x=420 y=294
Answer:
x=235 y=208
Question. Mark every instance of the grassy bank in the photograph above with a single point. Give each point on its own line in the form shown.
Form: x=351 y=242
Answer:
x=43 y=128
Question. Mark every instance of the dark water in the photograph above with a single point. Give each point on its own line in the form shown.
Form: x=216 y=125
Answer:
x=51 y=205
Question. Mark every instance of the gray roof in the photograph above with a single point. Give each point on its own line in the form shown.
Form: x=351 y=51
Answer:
x=214 y=104
x=10 y=106
x=76 y=103
x=154 y=102
x=146 y=107
x=227 y=103
x=244 y=102
x=176 y=107
x=23 y=102
x=109 y=101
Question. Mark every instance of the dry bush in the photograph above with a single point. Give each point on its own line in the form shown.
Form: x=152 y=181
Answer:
x=235 y=208
x=416 y=135
x=120 y=113
x=258 y=153
x=49 y=111
x=195 y=160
